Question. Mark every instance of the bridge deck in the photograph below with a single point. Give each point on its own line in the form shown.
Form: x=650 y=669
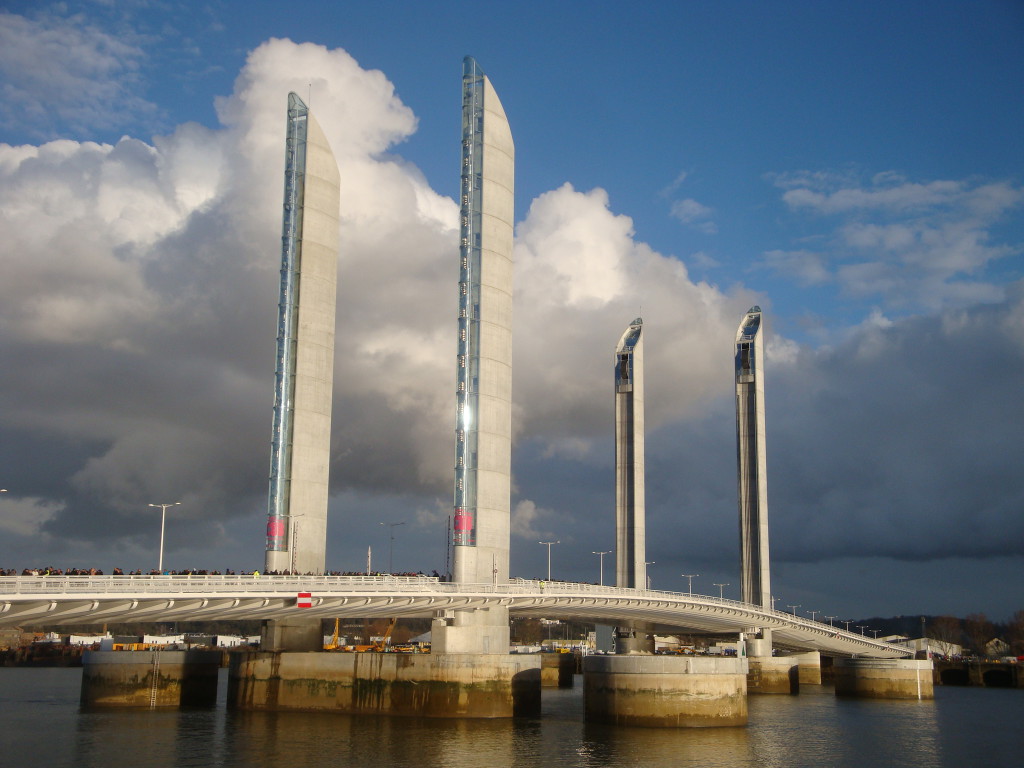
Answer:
x=61 y=600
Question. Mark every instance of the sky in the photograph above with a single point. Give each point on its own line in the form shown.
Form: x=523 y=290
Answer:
x=855 y=169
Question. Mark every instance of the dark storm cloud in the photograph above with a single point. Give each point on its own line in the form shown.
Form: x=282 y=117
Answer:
x=901 y=441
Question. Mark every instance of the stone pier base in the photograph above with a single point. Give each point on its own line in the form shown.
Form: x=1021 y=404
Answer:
x=773 y=674
x=809 y=664
x=294 y=634
x=150 y=679
x=425 y=685
x=557 y=670
x=665 y=691
x=884 y=678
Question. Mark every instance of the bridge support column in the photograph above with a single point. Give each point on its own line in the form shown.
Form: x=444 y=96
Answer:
x=773 y=674
x=293 y=634
x=557 y=670
x=809 y=664
x=665 y=691
x=484 y=630
x=150 y=679
x=423 y=685
x=884 y=678
x=634 y=638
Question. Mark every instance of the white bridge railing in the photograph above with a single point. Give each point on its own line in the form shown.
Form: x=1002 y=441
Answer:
x=58 y=589
x=156 y=585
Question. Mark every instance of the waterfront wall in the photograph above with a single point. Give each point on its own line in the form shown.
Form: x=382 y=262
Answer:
x=150 y=679
x=987 y=674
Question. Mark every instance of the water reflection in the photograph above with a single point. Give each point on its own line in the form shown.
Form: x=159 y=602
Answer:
x=40 y=724
x=903 y=733
x=268 y=740
x=708 y=747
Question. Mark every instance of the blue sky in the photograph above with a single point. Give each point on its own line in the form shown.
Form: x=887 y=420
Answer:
x=856 y=169
x=660 y=104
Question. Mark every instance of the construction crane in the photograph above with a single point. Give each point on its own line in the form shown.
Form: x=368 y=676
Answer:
x=375 y=645
x=333 y=644
x=380 y=644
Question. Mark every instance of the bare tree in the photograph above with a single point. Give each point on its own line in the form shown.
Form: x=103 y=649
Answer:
x=979 y=630
x=947 y=634
x=528 y=631
x=1015 y=633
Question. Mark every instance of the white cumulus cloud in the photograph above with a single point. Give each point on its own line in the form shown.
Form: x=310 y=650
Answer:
x=62 y=70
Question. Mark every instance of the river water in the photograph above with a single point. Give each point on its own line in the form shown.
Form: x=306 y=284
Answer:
x=41 y=725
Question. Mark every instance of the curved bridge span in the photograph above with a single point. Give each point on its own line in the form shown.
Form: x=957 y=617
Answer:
x=57 y=600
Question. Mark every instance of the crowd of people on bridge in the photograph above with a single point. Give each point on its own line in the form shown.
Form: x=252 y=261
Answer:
x=50 y=571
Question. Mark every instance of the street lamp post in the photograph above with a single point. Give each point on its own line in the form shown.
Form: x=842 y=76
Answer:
x=847 y=623
x=645 y=571
x=549 y=544
x=600 y=556
x=391 y=543
x=862 y=627
x=721 y=590
x=163 y=517
x=691 y=577
x=813 y=614
x=793 y=608
x=830 y=620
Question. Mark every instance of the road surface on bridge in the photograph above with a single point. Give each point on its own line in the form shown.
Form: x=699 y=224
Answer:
x=64 y=600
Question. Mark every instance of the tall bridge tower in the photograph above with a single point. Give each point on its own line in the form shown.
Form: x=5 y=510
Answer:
x=630 y=522
x=483 y=428
x=304 y=372
x=752 y=475
x=630 y=529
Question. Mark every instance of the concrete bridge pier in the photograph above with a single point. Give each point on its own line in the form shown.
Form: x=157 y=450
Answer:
x=635 y=638
x=809 y=666
x=150 y=679
x=773 y=674
x=767 y=673
x=665 y=691
x=453 y=685
x=292 y=634
x=468 y=673
x=557 y=670
x=782 y=674
x=884 y=678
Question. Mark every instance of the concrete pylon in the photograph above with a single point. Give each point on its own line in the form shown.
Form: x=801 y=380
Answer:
x=630 y=524
x=304 y=373
x=483 y=430
x=752 y=474
x=304 y=377
x=469 y=671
